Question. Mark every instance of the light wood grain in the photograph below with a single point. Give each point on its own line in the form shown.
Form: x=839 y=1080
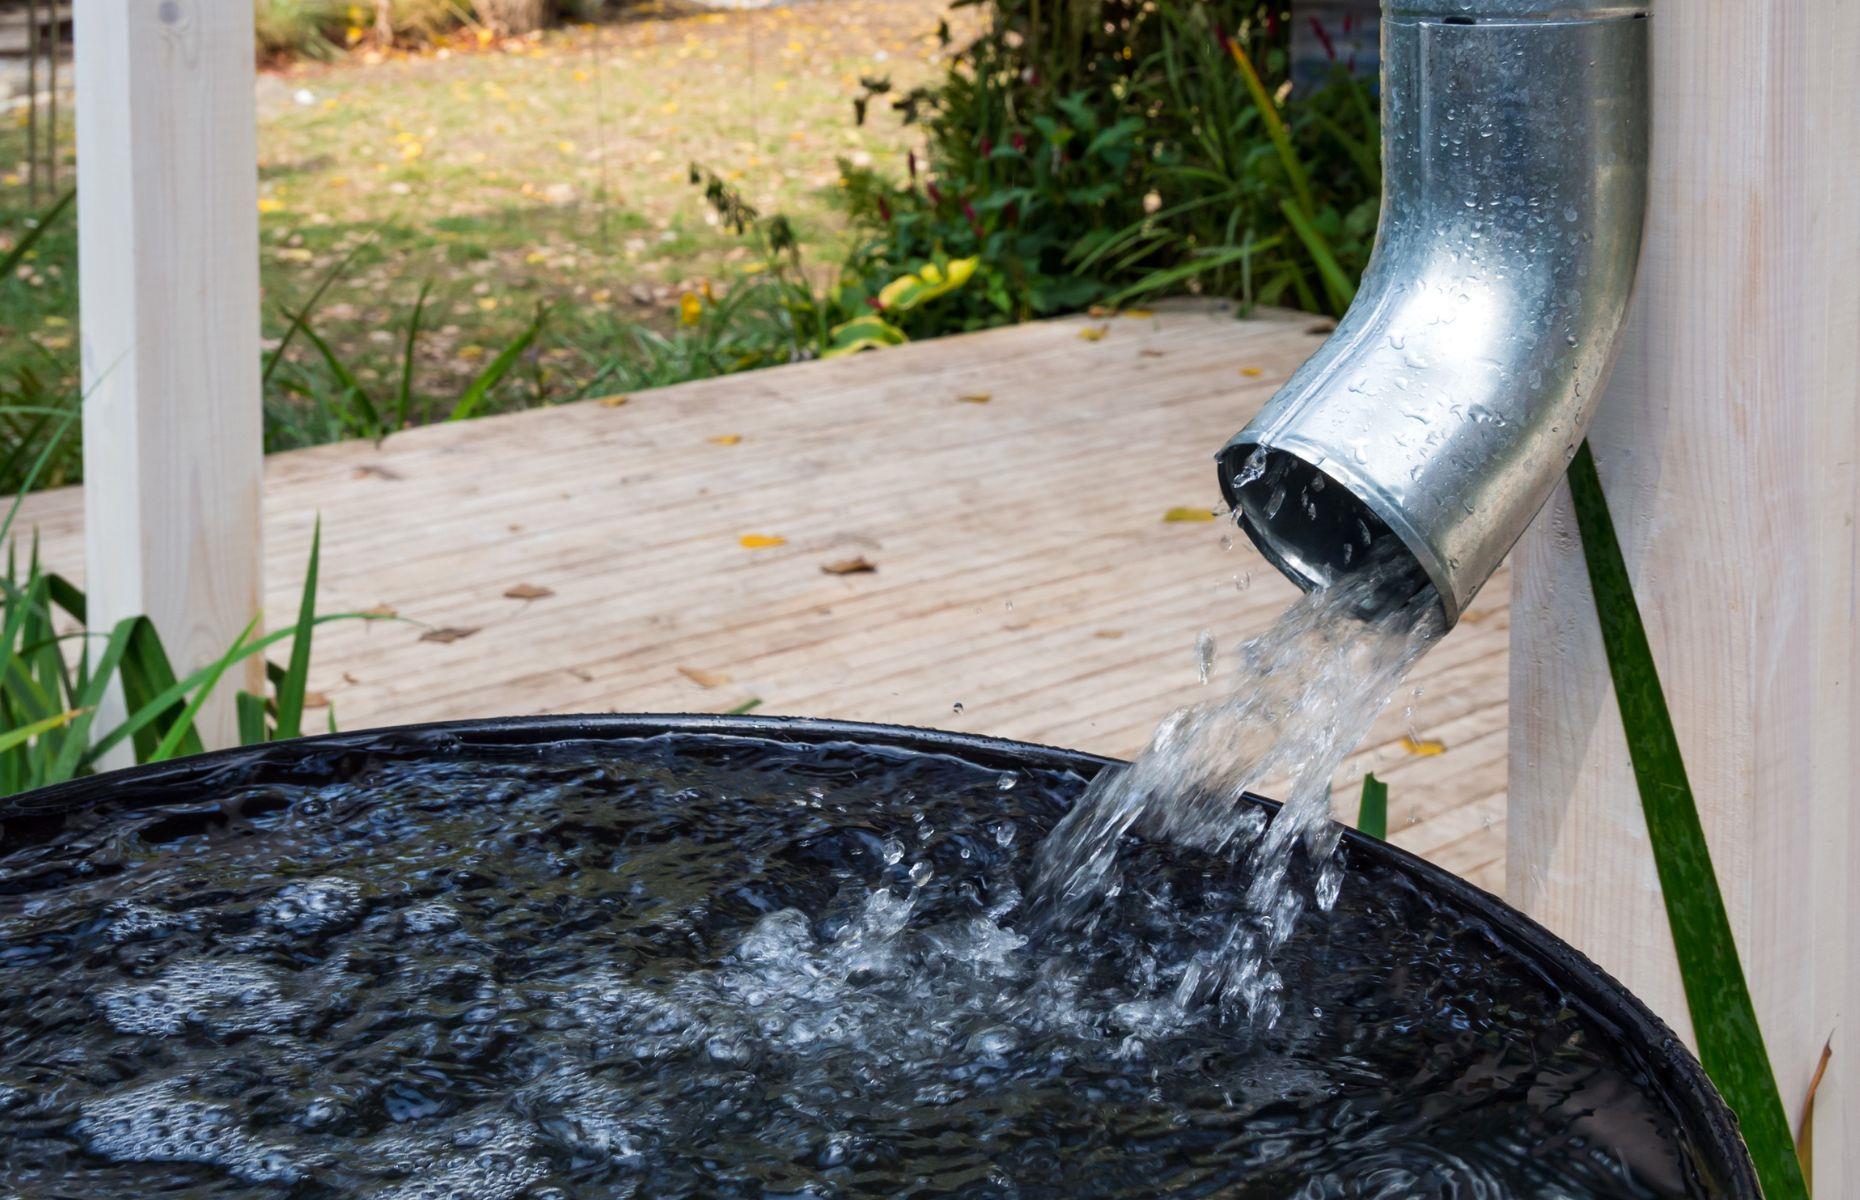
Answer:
x=168 y=291
x=1012 y=539
x=1727 y=444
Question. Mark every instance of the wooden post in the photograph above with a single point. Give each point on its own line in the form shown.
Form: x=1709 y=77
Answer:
x=1727 y=445
x=168 y=290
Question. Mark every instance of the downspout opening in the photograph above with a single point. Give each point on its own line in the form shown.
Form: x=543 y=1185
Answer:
x=1312 y=526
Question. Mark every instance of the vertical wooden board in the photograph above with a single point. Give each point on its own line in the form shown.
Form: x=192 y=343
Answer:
x=1727 y=444
x=168 y=293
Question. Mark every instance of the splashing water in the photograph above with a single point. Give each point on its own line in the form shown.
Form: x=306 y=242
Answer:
x=1303 y=696
x=716 y=967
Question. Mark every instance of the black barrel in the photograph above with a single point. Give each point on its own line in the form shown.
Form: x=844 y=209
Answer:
x=1708 y=1127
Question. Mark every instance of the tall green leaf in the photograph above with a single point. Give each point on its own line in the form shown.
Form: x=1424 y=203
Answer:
x=292 y=687
x=12 y=258
x=479 y=388
x=1717 y=995
x=1372 y=816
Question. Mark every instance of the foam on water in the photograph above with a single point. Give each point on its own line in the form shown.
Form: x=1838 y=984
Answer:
x=720 y=967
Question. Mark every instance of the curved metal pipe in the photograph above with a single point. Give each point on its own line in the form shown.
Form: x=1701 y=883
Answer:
x=1460 y=382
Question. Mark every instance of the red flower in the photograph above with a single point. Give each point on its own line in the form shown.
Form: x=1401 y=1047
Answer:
x=1019 y=141
x=910 y=160
x=936 y=197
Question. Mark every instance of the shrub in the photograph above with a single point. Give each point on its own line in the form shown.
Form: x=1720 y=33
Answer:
x=1099 y=153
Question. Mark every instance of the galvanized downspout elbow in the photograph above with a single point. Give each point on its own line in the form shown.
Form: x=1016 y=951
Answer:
x=1460 y=382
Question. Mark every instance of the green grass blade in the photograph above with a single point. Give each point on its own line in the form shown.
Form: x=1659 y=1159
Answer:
x=296 y=322
x=499 y=367
x=178 y=733
x=16 y=737
x=403 y=398
x=146 y=674
x=1717 y=995
x=1372 y=816
x=1337 y=285
x=77 y=737
x=292 y=686
x=358 y=395
x=1275 y=129
x=27 y=240
x=251 y=711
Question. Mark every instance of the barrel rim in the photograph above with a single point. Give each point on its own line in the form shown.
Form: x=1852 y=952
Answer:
x=1702 y=1111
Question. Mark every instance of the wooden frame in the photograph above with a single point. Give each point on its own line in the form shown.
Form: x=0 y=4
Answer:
x=1727 y=444
x=168 y=285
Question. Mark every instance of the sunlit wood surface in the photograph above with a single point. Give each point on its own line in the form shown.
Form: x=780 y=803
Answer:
x=1026 y=582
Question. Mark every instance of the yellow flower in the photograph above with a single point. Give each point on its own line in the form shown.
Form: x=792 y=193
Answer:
x=690 y=309
x=487 y=303
x=270 y=204
x=412 y=150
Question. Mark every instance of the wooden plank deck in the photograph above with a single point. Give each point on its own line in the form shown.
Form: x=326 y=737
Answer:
x=1024 y=569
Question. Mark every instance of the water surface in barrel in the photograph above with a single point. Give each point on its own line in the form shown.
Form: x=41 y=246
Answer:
x=709 y=966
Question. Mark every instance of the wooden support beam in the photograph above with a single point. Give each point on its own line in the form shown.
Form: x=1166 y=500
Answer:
x=1727 y=444
x=168 y=290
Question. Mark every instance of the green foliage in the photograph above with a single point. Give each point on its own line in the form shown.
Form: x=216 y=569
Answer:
x=1372 y=816
x=1723 y=1017
x=55 y=673
x=327 y=401
x=1104 y=155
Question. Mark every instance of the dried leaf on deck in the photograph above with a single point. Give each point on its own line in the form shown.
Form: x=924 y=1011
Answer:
x=976 y=397
x=378 y=472
x=528 y=591
x=381 y=610
x=1093 y=333
x=849 y=566
x=726 y=439
x=1147 y=352
x=1424 y=748
x=1189 y=514
x=1108 y=633
x=449 y=633
x=315 y=700
x=614 y=401
x=1138 y=314
x=1251 y=372
x=704 y=679
x=760 y=541
x=1101 y=310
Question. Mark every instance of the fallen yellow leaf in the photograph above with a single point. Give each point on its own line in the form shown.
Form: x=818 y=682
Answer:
x=727 y=439
x=1138 y=313
x=1189 y=514
x=614 y=401
x=1426 y=748
x=976 y=398
x=1093 y=333
x=1251 y=372
x=760 y=541
x=704 y=679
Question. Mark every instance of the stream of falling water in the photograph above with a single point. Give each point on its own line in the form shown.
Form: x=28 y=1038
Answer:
x=1300 y=698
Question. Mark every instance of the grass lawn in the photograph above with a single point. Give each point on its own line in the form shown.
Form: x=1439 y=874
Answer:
x=549 y=170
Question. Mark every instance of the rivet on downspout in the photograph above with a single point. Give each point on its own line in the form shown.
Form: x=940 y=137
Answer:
x=1456 y=389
